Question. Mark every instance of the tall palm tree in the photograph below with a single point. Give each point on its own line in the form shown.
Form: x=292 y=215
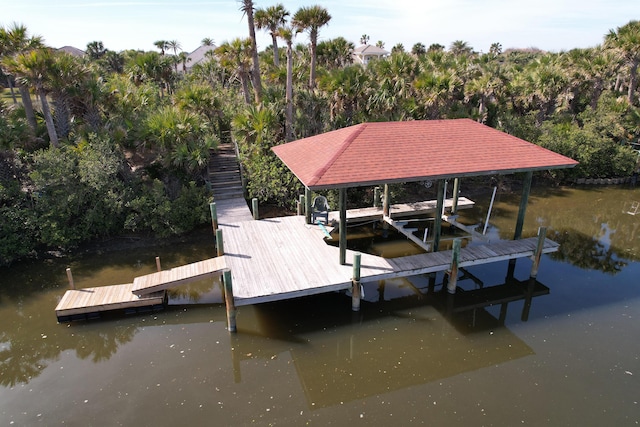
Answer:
x=271 y=19
x=13 y=41
x=236 y=54
x=287 y=33
x=174 y=45
x=32 y=69
x=311 y=19
x=247 y=7
x=207 y=41
x=626 y=40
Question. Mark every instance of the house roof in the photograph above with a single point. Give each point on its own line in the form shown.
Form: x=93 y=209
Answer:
x=388 y=152
x=368 y=49
x=199 y=55
x=72 y=51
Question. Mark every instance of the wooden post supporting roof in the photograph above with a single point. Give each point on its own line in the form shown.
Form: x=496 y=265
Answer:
x=524 y=200
x=385 y=201
x=437 y=224
x=456 y=193
x=343 y=225
x=307 y=204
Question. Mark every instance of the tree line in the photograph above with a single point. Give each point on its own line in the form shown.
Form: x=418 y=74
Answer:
x=118 y=142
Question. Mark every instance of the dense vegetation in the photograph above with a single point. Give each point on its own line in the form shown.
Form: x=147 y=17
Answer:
x=117 y=142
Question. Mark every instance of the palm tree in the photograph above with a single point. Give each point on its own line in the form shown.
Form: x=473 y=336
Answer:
x=418 y=49
x=271 y=19
x=15 y=40
x=95 y=50
x=626 y=40
x=311 y=19
x=183 y=58
x=162 y=45
x=286 y=33
x=460 y=47
x=364 y=39
x=174 y=45
x=237 y=55
x=207 y=41
x=247 y=8
x=31 y=69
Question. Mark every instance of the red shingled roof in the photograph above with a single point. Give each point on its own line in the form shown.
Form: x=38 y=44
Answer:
x=387 y=152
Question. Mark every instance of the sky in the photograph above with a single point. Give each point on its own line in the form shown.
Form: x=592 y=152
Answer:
x=552 y=25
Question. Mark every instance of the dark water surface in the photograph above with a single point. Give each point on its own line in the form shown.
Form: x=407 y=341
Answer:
x=400 y=361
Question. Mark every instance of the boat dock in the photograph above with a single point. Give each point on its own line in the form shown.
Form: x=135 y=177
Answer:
x=282 y=258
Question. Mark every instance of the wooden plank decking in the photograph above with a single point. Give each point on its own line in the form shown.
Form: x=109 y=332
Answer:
x=166 y=279
x=281 y=258
x=103 y=298
x=233 y=210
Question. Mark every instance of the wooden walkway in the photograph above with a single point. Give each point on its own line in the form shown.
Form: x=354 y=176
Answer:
x=166 y=279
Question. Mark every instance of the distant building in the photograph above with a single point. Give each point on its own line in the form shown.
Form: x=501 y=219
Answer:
x=367 y=52
x=199 y=55
x=73 y=51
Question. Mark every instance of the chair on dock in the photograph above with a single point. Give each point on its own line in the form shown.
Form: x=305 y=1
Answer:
x=320 y=209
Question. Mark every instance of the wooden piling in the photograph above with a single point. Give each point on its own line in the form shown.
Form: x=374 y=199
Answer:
x=376 y=197
x=301 y=205
x=456 y=194
x=542 y=234
x=356 y=293
x=229 y=302
x=343 y=225
x=158 y=265
x=70 y=278
x=254 y=208
x=386 y=201
x=214 y=215
x=453 y=272
x=437 y=225
x=219 y=242
x=307 y=204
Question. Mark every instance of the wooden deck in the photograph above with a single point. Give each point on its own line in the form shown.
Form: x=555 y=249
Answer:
x=281 y=258
x=399 y=210
x=233 y=210
x=84 y=303
x=165 y=279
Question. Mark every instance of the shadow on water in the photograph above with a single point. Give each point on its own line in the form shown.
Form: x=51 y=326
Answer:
x=407 y=333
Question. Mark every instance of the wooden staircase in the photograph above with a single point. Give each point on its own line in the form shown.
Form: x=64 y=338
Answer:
x=225 y=180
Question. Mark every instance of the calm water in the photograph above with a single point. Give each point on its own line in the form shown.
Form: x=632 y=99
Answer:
x=576 y=361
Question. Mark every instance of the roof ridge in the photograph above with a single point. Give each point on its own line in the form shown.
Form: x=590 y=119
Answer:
x=316 y=177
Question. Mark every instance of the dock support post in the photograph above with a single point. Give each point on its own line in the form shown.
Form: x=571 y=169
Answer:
x=214 y=215
x=301 y=205
x=254 y=208
x=219 y=242
x=386 y=201
x=70 y=278
x=524 y=200
x=158 y=265
x=456 y=194
x=343 y=225
x=355 y=289
x=376 y=197
x=542 y=234
x=229 y=302
x=307 y=204
x=437 y=226
x=453 y=271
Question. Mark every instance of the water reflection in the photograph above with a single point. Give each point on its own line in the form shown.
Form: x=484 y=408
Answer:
x=409 y=332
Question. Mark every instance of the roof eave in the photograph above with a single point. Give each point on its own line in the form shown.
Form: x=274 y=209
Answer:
x=434 y=177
